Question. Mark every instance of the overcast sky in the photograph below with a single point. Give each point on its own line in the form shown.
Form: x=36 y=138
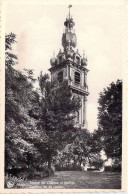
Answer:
x=99 y=27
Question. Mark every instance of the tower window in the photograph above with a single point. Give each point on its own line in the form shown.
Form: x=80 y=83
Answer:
x=60 y=77
x=77 y=59
x=77 y=78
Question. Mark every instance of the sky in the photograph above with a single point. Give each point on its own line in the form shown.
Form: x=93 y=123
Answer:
x=99 y=27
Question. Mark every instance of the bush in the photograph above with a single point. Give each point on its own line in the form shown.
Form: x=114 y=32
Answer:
x=20 y=173
x=69 y=167
x=41 y=171
x=112 y=168
x=24 y=174
x=13 y=182
x=93 y=169
x=16 y=171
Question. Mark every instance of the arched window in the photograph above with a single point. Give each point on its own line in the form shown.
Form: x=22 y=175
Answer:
x=77 y=59
x=60 y=77
x=77 y=77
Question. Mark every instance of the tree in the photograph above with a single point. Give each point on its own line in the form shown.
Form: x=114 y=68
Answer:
x=84 y=149
x=21 y=133
x=57 y=116
x=10 y=58
x=95 y=160
x=110 y=119
x=76 y=152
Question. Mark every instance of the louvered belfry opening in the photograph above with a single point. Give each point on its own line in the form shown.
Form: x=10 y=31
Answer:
x=77 y=78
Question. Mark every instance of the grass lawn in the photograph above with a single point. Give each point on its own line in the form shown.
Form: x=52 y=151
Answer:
x=78 y=180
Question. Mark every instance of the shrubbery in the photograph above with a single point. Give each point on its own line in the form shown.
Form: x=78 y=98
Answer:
x=69 y=167
x=15 y=177
x=112 y=168
x=44 y=171
x=13 y=182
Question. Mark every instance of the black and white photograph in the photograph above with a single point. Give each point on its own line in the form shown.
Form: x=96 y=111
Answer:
x=64 y=75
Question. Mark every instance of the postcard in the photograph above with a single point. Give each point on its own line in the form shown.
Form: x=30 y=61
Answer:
x=63 y=96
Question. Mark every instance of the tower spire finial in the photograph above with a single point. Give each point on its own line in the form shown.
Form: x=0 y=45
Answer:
x=69 y=9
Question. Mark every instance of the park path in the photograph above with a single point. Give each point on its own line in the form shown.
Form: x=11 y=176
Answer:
x=78 y=180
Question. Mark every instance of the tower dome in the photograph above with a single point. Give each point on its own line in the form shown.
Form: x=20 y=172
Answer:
x=69 y=23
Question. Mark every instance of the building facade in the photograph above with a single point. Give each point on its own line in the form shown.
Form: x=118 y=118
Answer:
x=71 y=66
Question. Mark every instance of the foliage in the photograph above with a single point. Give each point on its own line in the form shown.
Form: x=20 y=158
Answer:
x=21 y=133
x=112 y=168
x=83 y=149
x=110 y=119
x=69 y=167
x=34 y=121
x=13 y=182
x=95 y=160
x=10 y=58
x=57 y=115
x=58 y=105
x=45 y=171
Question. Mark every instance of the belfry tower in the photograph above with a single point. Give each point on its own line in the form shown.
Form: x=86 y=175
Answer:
x=70 y=65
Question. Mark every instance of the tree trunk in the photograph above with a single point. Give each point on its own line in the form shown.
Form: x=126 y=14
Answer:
x=89 y=161
x=80 y=162
x=49 y=161
x=74 y=162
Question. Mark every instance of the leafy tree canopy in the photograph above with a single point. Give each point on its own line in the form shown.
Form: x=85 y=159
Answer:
x=57 y=115
x=110 y=119
x=21 y=132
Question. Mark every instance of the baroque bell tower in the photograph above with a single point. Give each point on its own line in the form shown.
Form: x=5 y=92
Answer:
x=70 y=65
